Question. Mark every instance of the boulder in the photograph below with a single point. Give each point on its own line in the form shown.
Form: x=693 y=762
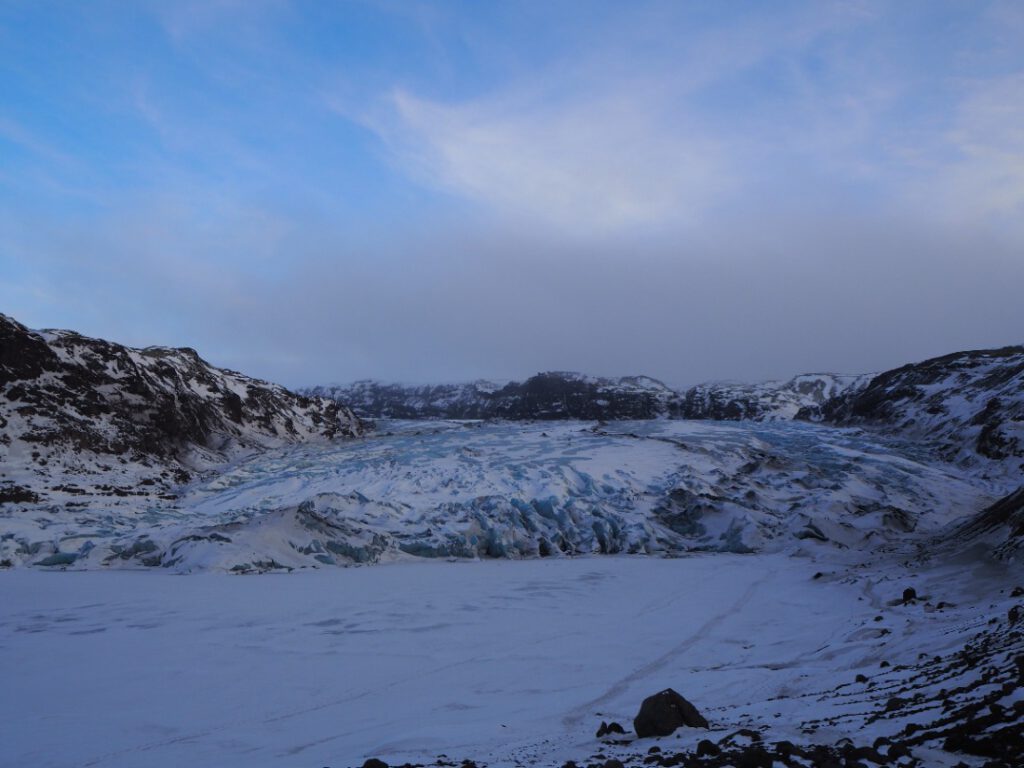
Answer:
x=608 y=728
x=664 y=712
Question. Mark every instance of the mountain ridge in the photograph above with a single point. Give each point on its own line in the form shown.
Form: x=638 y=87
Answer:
x=72 y=407
x=553 y=395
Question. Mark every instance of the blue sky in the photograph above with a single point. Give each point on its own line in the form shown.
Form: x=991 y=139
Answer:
x=437 y=191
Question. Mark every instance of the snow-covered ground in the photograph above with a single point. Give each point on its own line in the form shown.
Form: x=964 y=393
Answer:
x=499 y=661
x=440 y=649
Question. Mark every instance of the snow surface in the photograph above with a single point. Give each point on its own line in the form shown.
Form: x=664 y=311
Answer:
x=498 y=661
x=501 y=655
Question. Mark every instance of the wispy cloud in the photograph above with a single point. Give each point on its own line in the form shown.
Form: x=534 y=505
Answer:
x=599 y=163
x=321 y=191
x=985 y=178
x=648 y=128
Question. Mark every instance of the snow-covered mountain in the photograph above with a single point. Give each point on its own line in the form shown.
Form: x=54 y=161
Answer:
x=850 y=595
x=85 y=416
x=764 y=401
x=968 y=406
x=563 y=395
x=99 y=443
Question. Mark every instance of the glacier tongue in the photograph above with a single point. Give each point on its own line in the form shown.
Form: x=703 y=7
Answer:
x=516 y=490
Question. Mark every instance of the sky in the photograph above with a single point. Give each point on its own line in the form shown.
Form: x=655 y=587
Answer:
x=424 y=192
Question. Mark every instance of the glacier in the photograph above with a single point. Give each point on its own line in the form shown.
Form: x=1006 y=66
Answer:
x=519 y=490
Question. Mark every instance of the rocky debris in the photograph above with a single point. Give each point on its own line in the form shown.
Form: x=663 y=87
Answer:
x=11 y=493
x=664 y=712
x=909 y=595
x=968 y=701
x=726 y=753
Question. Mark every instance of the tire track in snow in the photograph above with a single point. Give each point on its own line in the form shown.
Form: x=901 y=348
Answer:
x=575 y=716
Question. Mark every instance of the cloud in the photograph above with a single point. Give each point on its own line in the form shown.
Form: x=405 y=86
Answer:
x=624 y=135
x=594 y=164
x=683 y=190
x=987 y=176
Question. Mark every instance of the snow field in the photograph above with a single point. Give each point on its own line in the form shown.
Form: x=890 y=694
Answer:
x=498 y=661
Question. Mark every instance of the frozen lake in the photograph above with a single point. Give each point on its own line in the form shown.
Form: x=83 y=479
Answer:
x=407 y=660
x=497 y=661
x=121 y=662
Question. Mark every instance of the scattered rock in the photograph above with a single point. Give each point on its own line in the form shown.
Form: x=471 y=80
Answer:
x=608 y=728
x=895 y=702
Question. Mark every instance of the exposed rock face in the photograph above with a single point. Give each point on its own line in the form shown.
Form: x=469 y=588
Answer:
x=999 y=526
x=560 y=395
x=765 y=401
x=80 y=406
x=664 y=712
x=968 y=405
x=553 y=395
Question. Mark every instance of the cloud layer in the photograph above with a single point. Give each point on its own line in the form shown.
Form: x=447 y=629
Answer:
x=442 y=192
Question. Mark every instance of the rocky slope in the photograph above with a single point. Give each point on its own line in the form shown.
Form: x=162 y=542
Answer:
x=967 y=406
x=81 y=415
x=764 y=401
x=561 y=395
x=998 y=528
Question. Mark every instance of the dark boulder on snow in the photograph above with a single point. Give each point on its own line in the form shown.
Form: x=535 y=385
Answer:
x=664 y=712
x=609 y=728
x=707 y=748
x=909 y=595
x=373 y=762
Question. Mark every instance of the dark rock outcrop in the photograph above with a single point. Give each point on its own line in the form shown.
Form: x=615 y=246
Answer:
x=561 y=395
x=664 y=712
x=969 y=406
x=999 y=526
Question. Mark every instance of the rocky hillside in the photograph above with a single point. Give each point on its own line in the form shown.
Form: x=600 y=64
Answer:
x=77 y=411
x=999 y=528
x=969 y=406
x=561 y=395
x=765 y=401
